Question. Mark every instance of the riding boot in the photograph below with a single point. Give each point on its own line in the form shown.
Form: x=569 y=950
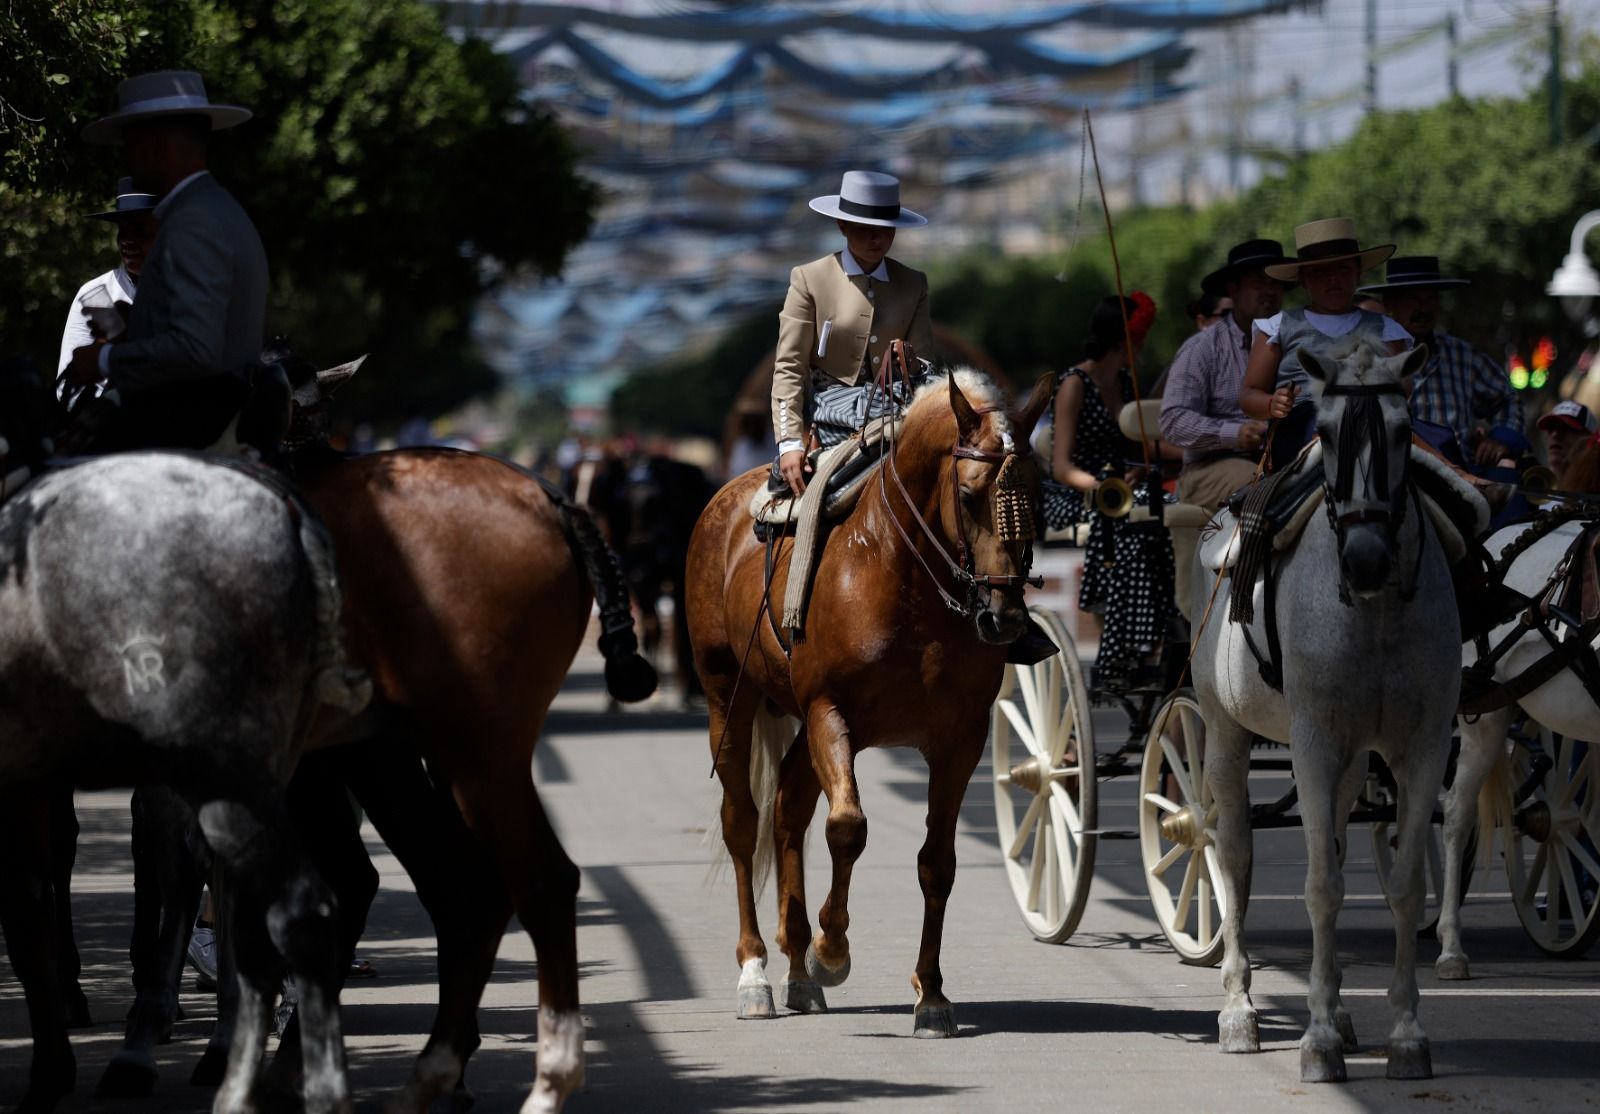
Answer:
x=338 y=685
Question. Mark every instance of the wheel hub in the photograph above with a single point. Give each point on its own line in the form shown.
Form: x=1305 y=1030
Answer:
x=1025 y=775
x=1186 y=826
x=1535 y=822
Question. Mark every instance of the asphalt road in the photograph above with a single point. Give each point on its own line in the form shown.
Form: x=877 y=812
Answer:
x=1109 y=1021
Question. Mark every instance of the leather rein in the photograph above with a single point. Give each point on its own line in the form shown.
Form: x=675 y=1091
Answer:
x=961 y=567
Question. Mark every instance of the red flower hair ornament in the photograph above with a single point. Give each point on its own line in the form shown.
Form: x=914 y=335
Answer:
x=1142 y=317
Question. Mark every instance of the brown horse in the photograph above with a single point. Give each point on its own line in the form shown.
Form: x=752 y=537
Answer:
x=904 y=645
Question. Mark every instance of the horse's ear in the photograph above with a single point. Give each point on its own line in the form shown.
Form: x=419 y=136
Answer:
x=333 y=378
x=1313 y=367
x=1039 y=401
x=1413 y=362
x=967 y=420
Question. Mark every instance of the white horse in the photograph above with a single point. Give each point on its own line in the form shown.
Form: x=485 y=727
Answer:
x=1483 y=788
x=1371 y=662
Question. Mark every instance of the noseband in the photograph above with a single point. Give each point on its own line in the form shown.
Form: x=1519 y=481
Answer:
x=960 y=567
x=1362 y=423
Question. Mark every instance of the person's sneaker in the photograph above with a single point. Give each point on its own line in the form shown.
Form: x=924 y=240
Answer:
x=203 y=957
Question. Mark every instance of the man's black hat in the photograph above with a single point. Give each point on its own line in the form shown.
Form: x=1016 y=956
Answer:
x=1413 y=271
x=1252 y=255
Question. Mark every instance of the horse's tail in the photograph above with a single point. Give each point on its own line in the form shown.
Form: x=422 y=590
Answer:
x=1497 y=803
x=770 y=736
x=629 y=678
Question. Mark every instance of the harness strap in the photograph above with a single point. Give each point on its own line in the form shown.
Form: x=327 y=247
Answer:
x=1569 y=651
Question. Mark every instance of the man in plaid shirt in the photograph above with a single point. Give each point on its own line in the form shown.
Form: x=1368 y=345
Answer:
x=1459 y=389
x=1200 y=403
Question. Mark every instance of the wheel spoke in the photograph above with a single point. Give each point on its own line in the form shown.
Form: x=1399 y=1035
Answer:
x=1569 y=884
x=1068 y=809
x=1050 y=881
x=1219 y=891
x=1036 y=864
x=1569 y=791
x=1203 y=897
x=1020 y=724
x=1165 y=862
x=1196 y=756
x=1578 y=851
x=1180 y=769
x=1025 y=829
x=1162 y=803
x=1191 y=875
x=1066 y=728
x=1066 y=844
x=1552 y=895
x=1530 y=886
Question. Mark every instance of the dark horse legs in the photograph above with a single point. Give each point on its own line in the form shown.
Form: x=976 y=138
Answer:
x=63 y=854
x=27 y=914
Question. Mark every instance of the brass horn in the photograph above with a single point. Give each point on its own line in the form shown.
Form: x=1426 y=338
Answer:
x=1536 y=480
x=1113 y=497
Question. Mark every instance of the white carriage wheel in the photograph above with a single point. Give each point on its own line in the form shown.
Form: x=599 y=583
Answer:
x=1384 y=837
x=1177 y=833
x=1551 y=849
x=1042 y=747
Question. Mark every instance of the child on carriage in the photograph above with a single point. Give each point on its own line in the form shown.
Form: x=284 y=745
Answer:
x=1127 y=571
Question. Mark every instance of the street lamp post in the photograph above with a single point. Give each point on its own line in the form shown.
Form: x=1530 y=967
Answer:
x=1575 y=282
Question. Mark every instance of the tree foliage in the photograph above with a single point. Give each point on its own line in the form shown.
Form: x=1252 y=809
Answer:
x=393 y=173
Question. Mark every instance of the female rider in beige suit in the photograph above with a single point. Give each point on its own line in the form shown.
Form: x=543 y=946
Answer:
x=842 y=314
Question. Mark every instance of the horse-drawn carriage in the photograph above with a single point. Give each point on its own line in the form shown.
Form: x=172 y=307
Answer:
x=1047 y=766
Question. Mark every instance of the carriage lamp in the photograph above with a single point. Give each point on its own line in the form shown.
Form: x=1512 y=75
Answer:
x=1575 y=282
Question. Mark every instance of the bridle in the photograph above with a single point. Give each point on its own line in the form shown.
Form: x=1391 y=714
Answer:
x=1363 y=416
x=961 y=567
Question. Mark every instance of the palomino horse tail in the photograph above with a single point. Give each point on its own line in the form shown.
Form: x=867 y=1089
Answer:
x=629 y=678
x=1497 y=804
x=770 y=736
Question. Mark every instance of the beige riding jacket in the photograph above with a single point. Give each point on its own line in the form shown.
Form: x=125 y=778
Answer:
x=834 y=326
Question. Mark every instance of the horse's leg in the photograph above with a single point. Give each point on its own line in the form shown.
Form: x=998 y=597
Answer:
x=732 y=730
x=63 y=853
x=326 y=825
x=543 y=883
x=1482 y=744
x=456 y=882
x=167 y=884
x=949 y=771
x=1227 y=770
x=1318 y=771
x=1354 y=777
x=828 y=958
x=276 y=906
x=798 y=790
x=1417 y=776
x=27 y=917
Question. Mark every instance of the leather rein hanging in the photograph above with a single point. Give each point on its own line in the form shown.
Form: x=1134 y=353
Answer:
x=962 y=566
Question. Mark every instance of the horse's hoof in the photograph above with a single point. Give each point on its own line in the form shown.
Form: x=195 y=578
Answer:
x=1322 y=1065
x=211 y=1068
x=77 y=1009
x=803 y=996
x=755 y=992
x=935 y=1021
x=1452 y=967
x=820 y=972
x=127 y=1076
x=1239 y=1031
x=1347 y=1029
x=1410 y=1059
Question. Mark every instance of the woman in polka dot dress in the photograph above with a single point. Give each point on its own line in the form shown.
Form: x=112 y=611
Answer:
x=1127 y=573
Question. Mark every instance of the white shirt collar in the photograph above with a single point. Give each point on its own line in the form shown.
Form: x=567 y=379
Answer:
x=851 y=267
x=166 y=202
x=123 y=279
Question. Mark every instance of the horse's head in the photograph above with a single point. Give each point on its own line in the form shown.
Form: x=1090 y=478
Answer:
x=312 y=390
x=988 y=497
x=1366 y=446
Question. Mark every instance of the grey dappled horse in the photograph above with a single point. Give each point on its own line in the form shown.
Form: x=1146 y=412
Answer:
x=1371 y=661
x=158 y=622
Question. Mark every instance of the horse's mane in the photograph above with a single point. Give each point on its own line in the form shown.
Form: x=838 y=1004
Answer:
x=1367 y=353
x=1583 y=474
x=980 y=390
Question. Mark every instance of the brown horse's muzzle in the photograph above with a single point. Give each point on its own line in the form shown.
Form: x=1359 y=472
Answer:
x=1003 y=620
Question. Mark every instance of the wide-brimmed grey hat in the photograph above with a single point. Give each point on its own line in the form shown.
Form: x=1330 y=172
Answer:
x=867 y=197
x=164 y=93
x=129 y=203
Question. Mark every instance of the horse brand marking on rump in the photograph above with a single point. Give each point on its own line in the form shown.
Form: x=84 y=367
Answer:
x=142 y=663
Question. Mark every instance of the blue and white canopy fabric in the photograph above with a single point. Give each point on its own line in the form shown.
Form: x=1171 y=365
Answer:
x=709 y=123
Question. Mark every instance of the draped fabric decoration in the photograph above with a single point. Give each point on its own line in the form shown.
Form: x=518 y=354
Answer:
x=709 y=125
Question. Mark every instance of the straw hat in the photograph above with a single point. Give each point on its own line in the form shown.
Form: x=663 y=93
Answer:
x=1328 y=241
x=867 y=197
